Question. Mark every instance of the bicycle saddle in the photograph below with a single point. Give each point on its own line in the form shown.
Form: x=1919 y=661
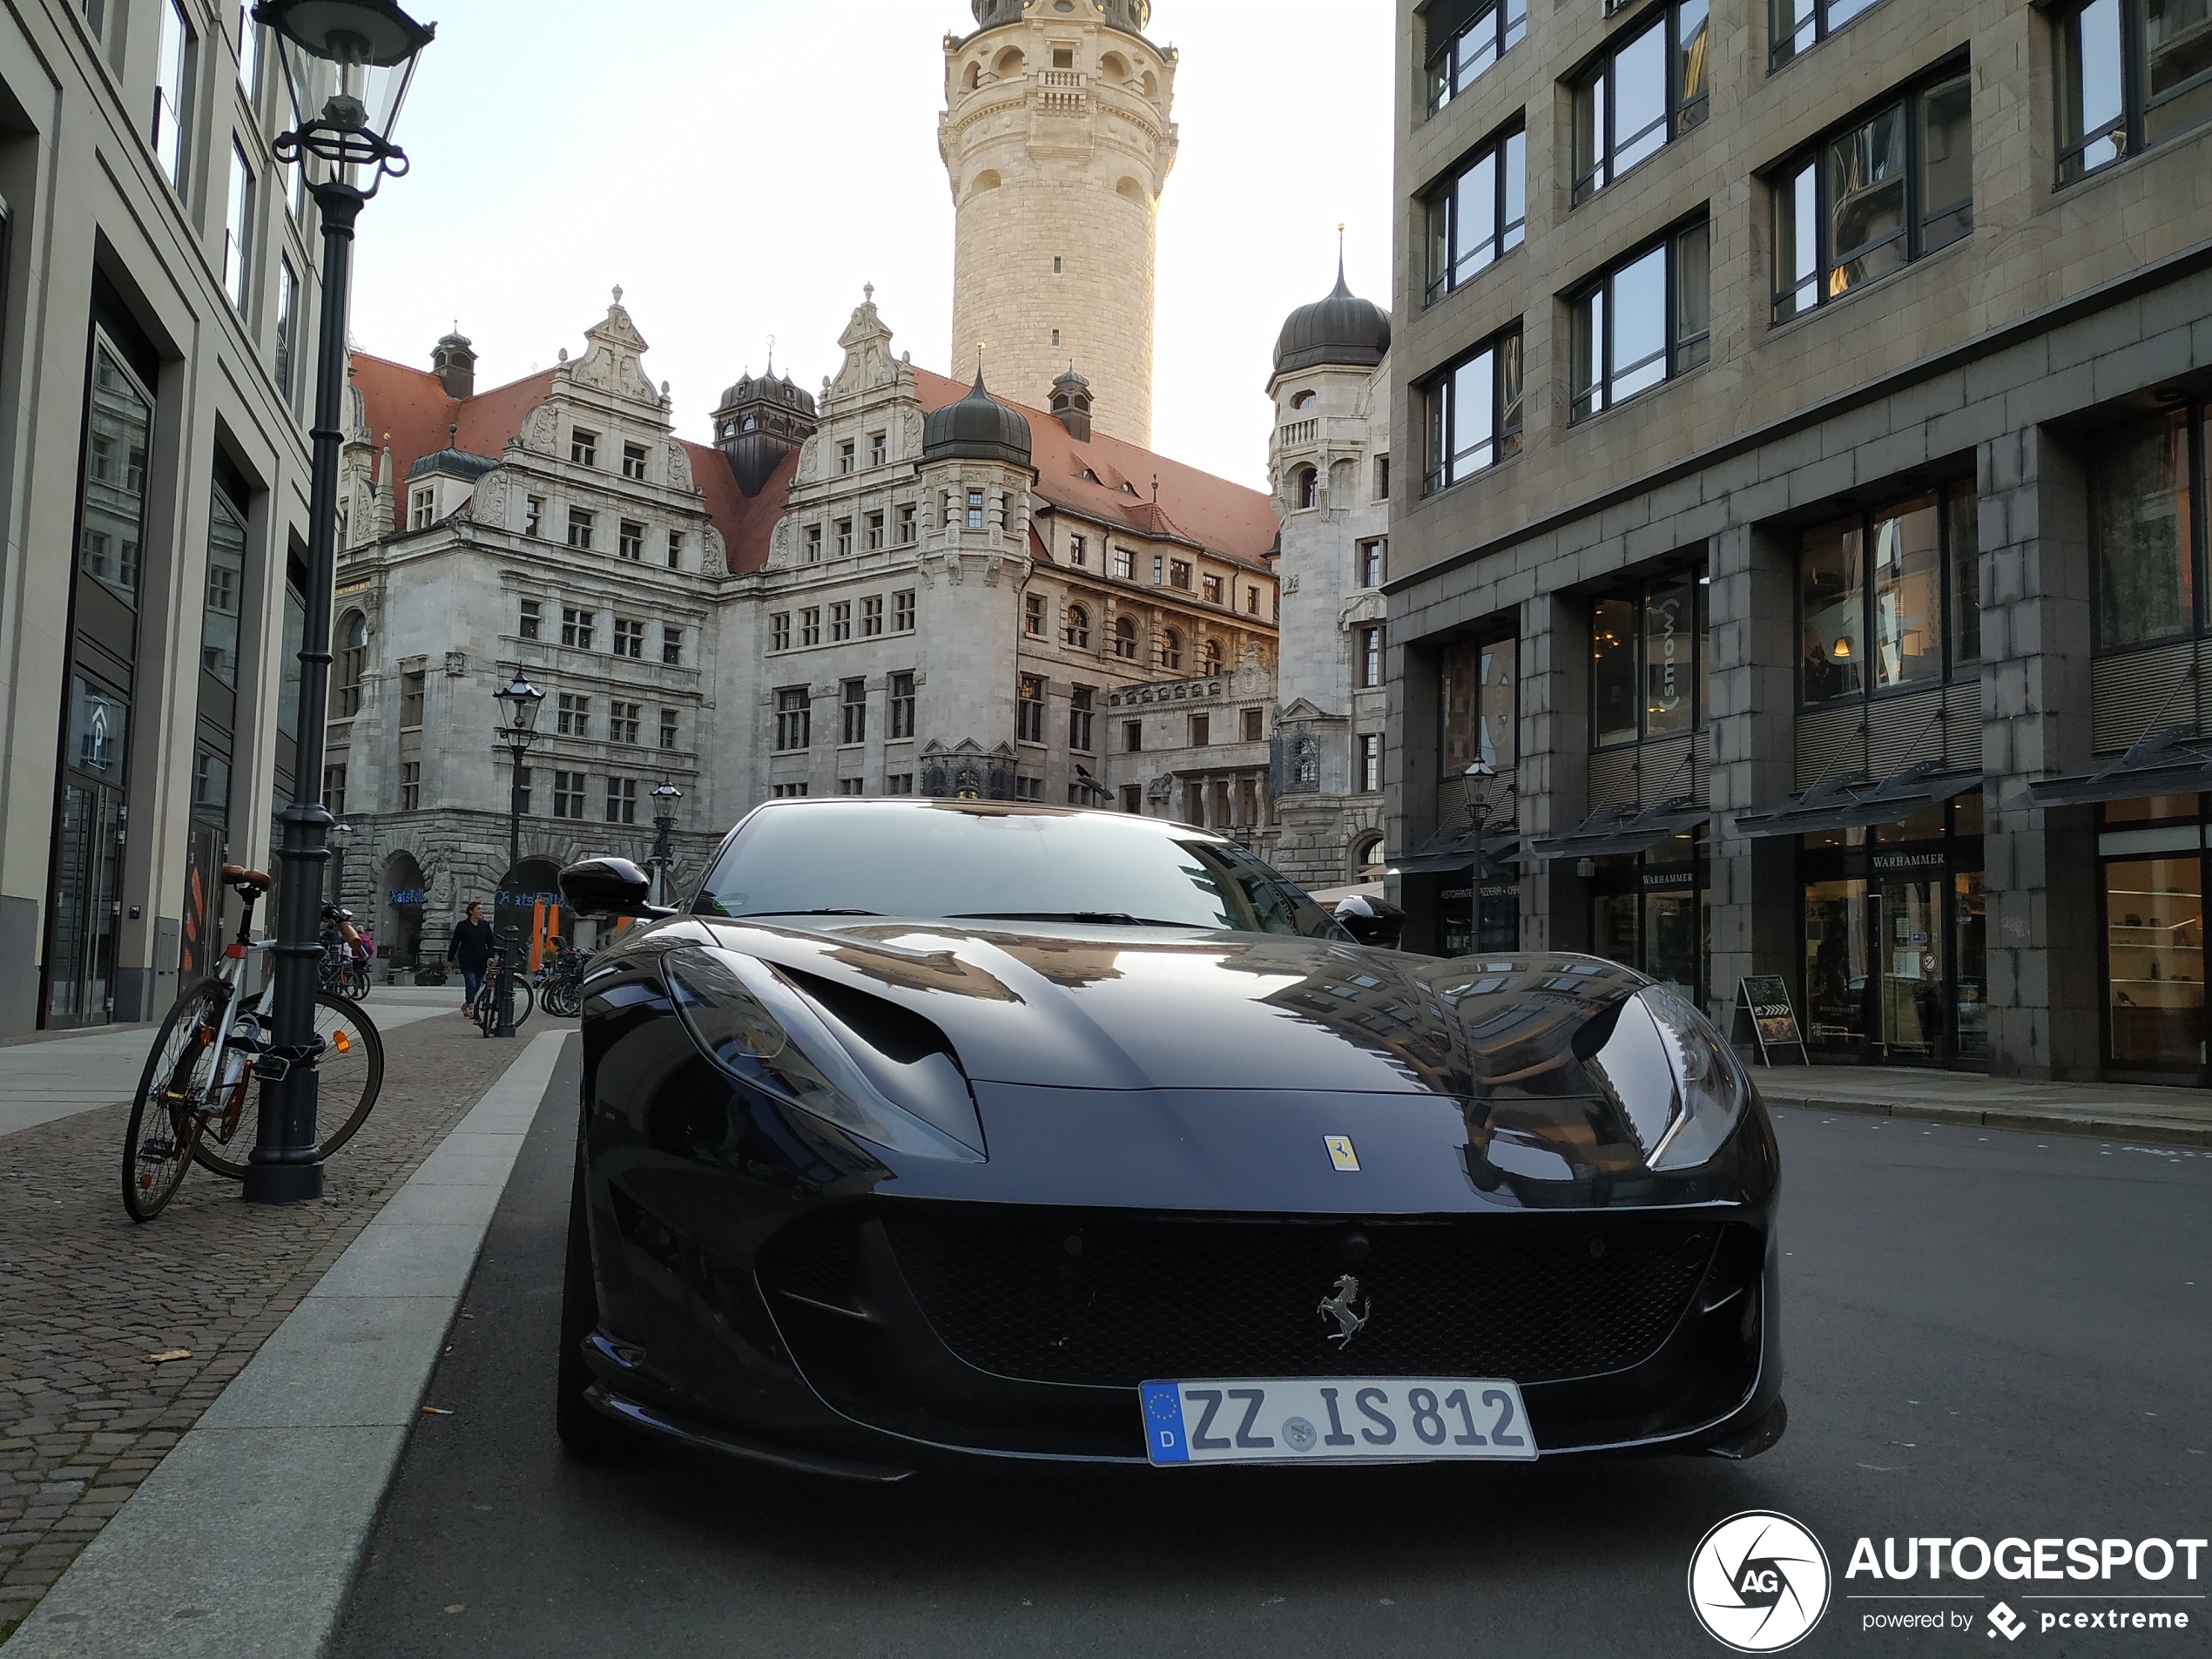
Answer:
x=243 y=879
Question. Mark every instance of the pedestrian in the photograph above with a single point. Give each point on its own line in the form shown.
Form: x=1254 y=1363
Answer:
x=470 y=952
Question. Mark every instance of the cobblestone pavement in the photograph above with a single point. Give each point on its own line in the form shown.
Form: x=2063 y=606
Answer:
x=87 y=1299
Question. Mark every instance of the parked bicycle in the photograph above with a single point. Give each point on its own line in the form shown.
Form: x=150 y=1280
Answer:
x=192 y=1104
x=345 y=955
x=560 y=987
x=485 y=1008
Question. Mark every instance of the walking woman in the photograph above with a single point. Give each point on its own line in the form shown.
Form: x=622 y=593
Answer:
x=470 y=951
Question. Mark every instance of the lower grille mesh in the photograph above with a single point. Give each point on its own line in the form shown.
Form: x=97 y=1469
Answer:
x=1142 y=1297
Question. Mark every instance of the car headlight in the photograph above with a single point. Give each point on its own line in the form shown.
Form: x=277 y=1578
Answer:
x=1673 y=1078
x=752 y=1024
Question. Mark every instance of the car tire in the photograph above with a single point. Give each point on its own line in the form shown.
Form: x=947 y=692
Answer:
x=587 y=1434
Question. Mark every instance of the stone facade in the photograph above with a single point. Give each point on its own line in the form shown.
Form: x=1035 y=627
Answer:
x=157 y=358
x=1329 y=462
x=1983 y=383
x=1058 y=137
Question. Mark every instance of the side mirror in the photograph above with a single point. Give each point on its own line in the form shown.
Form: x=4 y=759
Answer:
x=1372 y=921
x=609 y=887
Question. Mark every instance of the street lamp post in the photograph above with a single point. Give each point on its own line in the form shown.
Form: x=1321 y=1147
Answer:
x=1482 y=772
x=367 y=49
x=519 y=706
x=664 y=800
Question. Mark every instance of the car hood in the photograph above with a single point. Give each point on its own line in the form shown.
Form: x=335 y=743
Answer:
x=1126 y=1008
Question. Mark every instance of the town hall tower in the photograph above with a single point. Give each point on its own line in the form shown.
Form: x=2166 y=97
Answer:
x=1058 y=139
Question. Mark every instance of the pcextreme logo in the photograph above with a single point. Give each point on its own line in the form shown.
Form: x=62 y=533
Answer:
x=1758 y=1582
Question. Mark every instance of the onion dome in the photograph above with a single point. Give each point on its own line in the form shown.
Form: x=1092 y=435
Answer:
x=1132 y=16
x=1341 y=331
x=978 y=428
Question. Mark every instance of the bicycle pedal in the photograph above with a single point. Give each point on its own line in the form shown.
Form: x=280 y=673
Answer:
x=158 y=1151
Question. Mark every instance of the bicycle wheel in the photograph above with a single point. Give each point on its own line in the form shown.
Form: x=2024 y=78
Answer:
x=349 y=1076
x=173 y=1090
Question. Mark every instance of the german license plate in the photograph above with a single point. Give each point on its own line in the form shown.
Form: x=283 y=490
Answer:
x=1342 y=1420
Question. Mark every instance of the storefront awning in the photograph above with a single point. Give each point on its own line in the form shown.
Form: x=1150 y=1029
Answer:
x=1450 y=852
x=1857 y=801
x=1615 y=831
x=2169 y=761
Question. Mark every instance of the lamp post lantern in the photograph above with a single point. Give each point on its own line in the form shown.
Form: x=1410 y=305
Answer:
x=359 y=56
x=664 y=800
x=518 y=704
x=340 y=837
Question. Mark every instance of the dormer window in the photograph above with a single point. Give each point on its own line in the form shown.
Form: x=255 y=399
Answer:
x=633 y=461
x=583 y=447
x=422 y=509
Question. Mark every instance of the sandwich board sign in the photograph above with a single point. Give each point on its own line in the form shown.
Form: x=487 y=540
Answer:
x=1766 y=998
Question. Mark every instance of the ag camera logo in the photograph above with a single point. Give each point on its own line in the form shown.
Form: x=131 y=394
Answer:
x=1758 y=1582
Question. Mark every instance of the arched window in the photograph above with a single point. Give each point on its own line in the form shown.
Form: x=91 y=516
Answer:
x=353 y=663
x=1113 y=67
x=1171 y=650
x=1305 y=489
x=1303 y=401
x=1009 y=63
x=986 y=179
x=1130 y=188
x=1078 y=629
x=974 y=76
x=1368 y=861
x=1125 y=638
x=1213 y=656
x=1151 y=86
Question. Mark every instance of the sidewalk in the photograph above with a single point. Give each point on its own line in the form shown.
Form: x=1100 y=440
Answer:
x=2113 y=1111
x=89 y=1300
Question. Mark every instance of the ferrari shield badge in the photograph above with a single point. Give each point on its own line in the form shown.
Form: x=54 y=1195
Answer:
x=1340 y=1153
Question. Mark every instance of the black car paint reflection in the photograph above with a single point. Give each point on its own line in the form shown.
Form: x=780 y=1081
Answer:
x=1159 y=1098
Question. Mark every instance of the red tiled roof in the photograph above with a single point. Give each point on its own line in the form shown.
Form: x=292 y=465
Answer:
x=749 y=524
x=408 y=408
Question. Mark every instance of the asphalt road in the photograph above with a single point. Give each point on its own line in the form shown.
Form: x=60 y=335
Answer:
x=1987 y=1335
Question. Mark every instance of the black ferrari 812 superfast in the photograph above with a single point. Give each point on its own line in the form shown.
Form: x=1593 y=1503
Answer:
x=930 y=1131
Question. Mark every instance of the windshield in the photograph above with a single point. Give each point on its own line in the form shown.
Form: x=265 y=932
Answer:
x=975 y=861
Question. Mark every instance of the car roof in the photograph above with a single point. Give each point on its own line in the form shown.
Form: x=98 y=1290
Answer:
x=980 y=809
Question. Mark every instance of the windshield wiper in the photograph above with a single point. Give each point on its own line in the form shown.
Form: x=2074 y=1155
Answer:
x=1093 y=918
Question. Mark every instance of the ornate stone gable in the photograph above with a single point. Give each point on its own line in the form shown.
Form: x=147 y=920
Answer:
x=869 y=371
x=611 y=364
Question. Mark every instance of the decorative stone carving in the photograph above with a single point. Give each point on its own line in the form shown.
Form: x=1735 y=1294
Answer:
x=489 y=501
x=714 y=557
x=539 y=429
x=679 y=465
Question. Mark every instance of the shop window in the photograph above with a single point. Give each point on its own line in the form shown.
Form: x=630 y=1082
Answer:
x=1896 y=938
x=1654 y=913
x=2145 y=532
x=1477 y=689
x=2153 y=852
x=1647 y=661
x=1890 y=599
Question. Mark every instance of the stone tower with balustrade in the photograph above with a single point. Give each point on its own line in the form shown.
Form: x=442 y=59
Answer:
x=1057 y=139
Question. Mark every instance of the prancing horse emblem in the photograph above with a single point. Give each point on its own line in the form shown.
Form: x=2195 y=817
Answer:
x=1350 y=1319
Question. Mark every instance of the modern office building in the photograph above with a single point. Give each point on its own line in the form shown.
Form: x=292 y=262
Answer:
x=1801 y=568
x=158 y=287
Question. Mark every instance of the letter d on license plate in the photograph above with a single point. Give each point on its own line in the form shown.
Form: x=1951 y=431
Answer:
x=1342 y=1420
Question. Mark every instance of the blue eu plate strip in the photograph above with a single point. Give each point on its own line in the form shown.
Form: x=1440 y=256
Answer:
x=1163 y=1434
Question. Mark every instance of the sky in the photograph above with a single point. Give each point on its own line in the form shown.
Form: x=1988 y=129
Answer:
x=742 y=167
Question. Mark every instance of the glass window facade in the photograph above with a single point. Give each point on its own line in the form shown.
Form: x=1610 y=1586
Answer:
x=2130 y=74
x=1890 y=188
x=1649 y=89
x=2152 y=853
x=1647 y=661
x=1465 y=39
x=1644 y=322
x=1480 y=215
x=1473 y=413
x=2144 y=531
x=1476 y=695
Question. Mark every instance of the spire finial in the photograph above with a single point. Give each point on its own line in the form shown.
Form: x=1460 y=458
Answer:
x=867 y=291
x=1342 y=287
x=453 y=437
x=617 y=293
x=771 y=357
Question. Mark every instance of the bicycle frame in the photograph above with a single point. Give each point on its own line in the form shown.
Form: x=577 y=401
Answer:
x=231 y=976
